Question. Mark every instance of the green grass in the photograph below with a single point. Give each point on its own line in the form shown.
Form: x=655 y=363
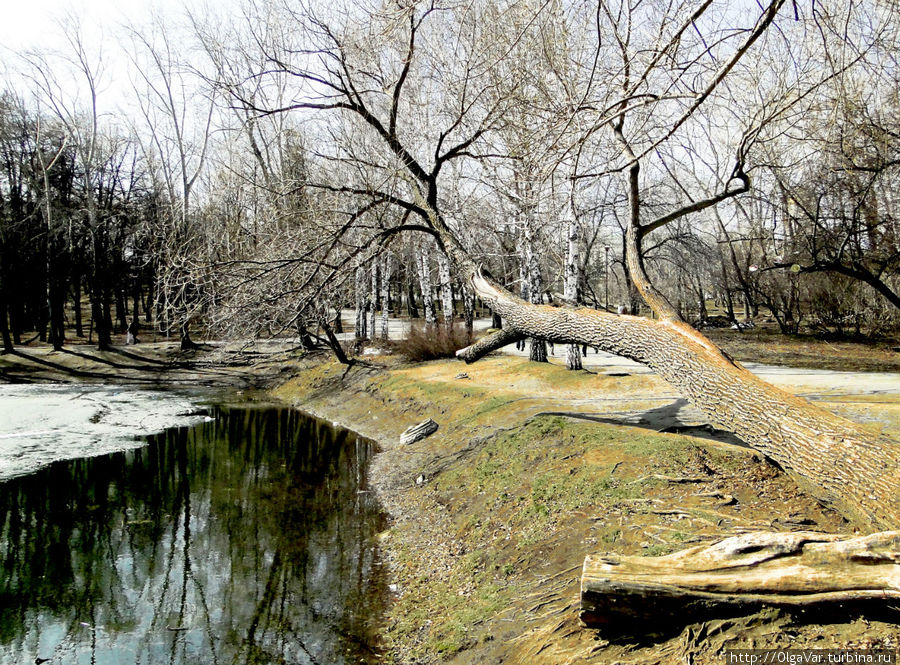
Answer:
x=526 y=482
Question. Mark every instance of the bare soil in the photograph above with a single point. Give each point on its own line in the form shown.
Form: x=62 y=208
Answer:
x=765 y=344
x=217 y=364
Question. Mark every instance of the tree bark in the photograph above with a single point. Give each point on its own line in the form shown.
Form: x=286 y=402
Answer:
x=385 y=294
x=532 y=285
x=468 y=309
x=445 y=288
x=411 y=308
x=838 y=461
x=4 y=320
x=424 y=270
x=572 y=279
x=794 y=570
x=76 y=304
x=360 y=330
x=335 y=344
x=373 y=298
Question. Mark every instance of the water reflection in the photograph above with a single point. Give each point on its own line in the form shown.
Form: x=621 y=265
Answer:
x=243 y=540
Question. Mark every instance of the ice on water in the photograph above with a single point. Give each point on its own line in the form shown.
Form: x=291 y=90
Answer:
x=40 y=424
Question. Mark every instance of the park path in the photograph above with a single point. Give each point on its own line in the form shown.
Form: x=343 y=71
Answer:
x=812 y=383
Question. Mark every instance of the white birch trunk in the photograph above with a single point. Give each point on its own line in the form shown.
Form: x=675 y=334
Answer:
x=385 y=294
x=572 y=277
x=424 y=266
x=468 y=307
x=538 y=352
x=373 y=300
x=446 y=288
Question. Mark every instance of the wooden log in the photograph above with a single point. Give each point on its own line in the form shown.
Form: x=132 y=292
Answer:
x=800 y=570
x=418 y=432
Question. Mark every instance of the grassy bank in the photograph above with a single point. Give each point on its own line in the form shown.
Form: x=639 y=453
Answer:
x=491 y=517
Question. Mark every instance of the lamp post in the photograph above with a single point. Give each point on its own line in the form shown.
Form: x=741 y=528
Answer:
x=606 y=275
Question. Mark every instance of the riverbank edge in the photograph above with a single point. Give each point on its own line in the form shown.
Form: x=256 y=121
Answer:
x=440 y=543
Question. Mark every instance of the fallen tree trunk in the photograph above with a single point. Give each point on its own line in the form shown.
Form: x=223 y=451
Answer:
x=837 y=461
x=797 y=570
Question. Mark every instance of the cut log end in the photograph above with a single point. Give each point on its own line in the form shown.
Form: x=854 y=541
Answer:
x=790 y=570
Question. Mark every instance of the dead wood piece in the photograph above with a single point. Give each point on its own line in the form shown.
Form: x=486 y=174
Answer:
x=799 y=569
x=723 y=499
x=419 y=432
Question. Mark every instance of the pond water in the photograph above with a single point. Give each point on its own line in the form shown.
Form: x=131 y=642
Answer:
x=245 y=539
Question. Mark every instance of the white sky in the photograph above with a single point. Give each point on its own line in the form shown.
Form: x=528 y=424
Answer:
x=38 y=25
x=33 y=23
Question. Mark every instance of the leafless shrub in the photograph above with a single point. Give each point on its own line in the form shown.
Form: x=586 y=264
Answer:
x=430 y=342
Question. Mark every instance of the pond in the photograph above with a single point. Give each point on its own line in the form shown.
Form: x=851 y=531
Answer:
x=245 y=539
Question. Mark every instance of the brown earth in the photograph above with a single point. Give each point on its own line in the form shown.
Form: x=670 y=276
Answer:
x=215 y=364
x=764 y=344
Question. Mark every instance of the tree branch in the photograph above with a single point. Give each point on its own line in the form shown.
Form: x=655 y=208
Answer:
x=488 y=343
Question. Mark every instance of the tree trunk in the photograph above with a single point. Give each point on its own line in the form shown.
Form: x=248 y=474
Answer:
x=98 y=292
x=496 y=320
x=572 y=279
x=187 y=344
x=531 y=285
x=411 y=308
x=359 y=330
x=4 y=320
x=335 y=344
x=373 y=298
x=813 y=571
x=385 y=294
x=121 y=308
x=76 y=304
x=424 y=269
x=337 y=322
x=538 y=350
x=468 y=309
x=445 y=289
x=836 y=460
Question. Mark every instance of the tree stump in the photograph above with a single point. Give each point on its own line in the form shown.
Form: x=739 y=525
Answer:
x=418 y=432
x=797 y=570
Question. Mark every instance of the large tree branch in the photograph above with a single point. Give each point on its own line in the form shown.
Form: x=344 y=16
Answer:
x=398 y=88
x=488 y=343
x=698 y=206
x=838 y=461
x=634 y=235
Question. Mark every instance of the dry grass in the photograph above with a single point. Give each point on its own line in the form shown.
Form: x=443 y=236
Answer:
x=765 y=345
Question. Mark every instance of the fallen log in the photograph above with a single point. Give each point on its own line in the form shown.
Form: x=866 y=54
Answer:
x=418 y=432
x=799 y=570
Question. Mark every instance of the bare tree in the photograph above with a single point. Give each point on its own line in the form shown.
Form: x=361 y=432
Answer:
x=178 y=131
x=643 y=104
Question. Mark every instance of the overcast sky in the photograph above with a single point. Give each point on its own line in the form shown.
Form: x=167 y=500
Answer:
x=29 y=23
x=36 y=24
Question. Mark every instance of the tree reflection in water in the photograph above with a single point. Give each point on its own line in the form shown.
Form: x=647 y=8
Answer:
x=248 y=539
